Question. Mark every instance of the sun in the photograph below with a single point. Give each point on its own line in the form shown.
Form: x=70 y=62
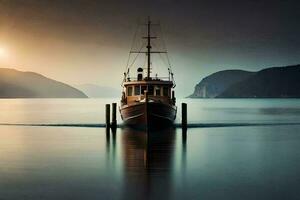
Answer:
x=3 y=52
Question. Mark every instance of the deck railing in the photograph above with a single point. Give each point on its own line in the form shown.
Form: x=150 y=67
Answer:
x=151 y=78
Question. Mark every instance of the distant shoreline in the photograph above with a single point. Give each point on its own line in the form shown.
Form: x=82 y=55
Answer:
x=274 y=82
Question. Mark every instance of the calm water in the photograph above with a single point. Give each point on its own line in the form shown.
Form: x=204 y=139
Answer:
x=253 y=162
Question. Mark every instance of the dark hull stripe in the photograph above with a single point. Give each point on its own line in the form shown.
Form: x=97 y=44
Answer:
x=148 y=114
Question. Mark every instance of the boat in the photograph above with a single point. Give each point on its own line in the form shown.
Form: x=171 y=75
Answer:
x=148 y=102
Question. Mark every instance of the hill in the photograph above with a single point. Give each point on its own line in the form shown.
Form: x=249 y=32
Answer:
x=276 y=82
x=17 y=84
x=215 y=84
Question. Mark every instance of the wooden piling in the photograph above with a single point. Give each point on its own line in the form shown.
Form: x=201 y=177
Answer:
x=114 y=116
x=184 y=136
x=184 y=115
x=107 y=116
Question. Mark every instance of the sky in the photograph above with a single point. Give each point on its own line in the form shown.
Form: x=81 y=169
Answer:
x=88 y=41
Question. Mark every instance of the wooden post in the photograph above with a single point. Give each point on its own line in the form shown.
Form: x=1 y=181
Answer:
x=184 y=115
x=107 y=116
x=184 y=136
x=114 y=116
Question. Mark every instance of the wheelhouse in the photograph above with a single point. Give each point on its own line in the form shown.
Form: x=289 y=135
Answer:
x=135 y=91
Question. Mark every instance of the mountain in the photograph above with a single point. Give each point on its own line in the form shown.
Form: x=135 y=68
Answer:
x=17 y=84
x=276 y=82
x=215 y=84
x=96 y=91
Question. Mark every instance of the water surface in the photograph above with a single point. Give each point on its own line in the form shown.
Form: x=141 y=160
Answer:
x=254 y=162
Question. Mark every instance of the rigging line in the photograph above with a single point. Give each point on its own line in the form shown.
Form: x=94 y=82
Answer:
x=162 y=38
x=158 y=44
x=132 y=44
x=131 y=49
x=136 y=55
x=165 y=47
x=166 y=64
x=161 y=57
x=160 y=69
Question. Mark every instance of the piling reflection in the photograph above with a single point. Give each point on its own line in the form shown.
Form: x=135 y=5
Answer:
x=148 y=163
x=111 y=144
x=183 y=154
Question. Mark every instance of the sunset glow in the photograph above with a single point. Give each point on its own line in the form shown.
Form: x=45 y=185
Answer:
x=84 y=43
x=3 y=52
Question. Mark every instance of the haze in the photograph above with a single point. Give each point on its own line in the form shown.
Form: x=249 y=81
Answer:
x=83 y=41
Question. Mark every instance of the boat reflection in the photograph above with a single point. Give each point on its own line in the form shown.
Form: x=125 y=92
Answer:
x=148 y=163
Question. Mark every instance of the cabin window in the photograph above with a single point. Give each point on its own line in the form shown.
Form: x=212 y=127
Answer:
x=137 y=90
x=143 y=88
x=157 y=91
x=165 y=91
x=150 y=90
x=129 y=91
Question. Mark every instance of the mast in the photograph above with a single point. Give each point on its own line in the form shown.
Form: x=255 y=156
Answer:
x=148 y=52
x=149 y=49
